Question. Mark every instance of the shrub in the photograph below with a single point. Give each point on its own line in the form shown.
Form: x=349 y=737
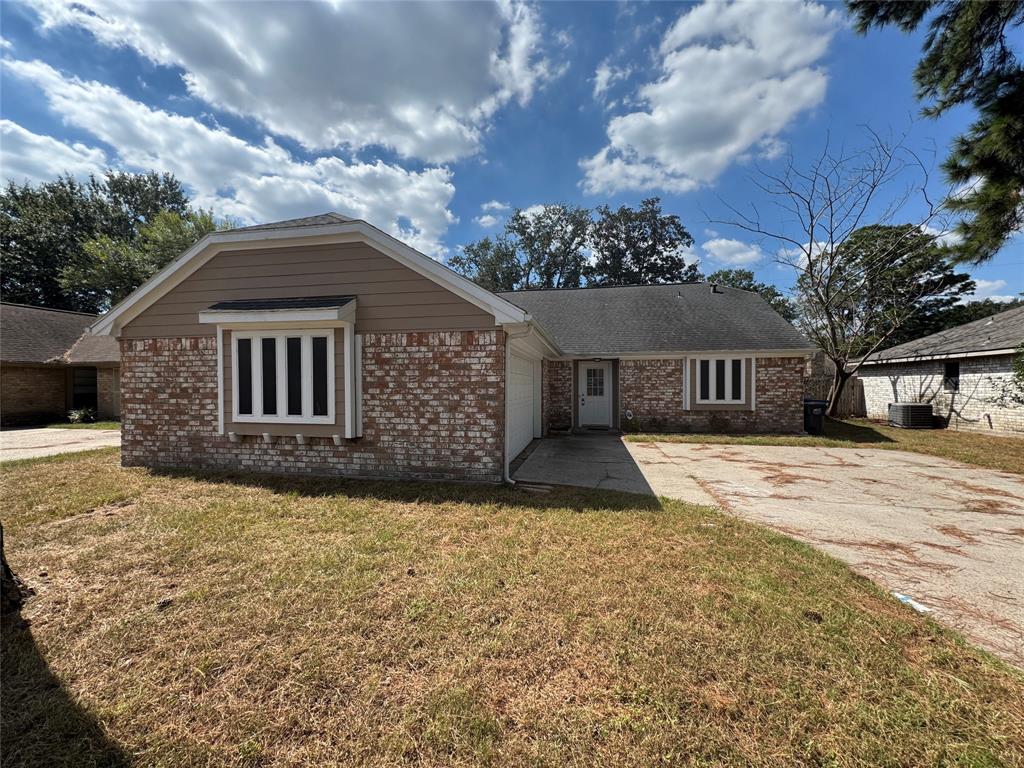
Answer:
x=82 y=415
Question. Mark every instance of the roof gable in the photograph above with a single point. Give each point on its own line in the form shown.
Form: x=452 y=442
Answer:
x=317 y=230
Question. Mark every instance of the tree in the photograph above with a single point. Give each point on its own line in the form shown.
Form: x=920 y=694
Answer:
x=744 y=280
x=640 y=246
x=856 y=286
x=44 y=229
x=551 y=243
x=491 y=264
x=116 y=267
x=966 y=59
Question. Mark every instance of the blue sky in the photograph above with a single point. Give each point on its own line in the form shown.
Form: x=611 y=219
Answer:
x=433 y=121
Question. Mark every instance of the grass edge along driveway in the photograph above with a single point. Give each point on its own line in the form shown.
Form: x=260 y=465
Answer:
x=203 y=618
x=990 y=451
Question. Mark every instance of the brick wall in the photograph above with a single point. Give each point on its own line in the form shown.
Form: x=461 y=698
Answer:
x=653 y=391
x=433 y=408
x=979 y=404
x=107 y=397
x=31 y=395
x=556 y=408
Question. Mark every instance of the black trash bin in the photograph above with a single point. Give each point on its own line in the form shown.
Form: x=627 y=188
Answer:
x=814 y=416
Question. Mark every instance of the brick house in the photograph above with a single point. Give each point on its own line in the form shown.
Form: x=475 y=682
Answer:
x=964 y=372
x=49 y=364
x=325 y=345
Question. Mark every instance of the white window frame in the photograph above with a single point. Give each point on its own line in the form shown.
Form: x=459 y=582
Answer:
x=713 y=380
x=282 y=417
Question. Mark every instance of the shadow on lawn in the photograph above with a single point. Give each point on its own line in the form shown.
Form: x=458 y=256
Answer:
x=854 y=432
x=408 y=491
x=42 y=724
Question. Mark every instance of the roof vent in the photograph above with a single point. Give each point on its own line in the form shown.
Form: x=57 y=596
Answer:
x=714 y=288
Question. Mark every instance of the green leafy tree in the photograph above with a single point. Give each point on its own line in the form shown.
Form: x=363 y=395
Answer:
x=640 y=246
x=44 y=230
x=967 y=59
x=551 y=244
x=853 y=299
x=744 y=280
x=491 y=263
x=116 y=267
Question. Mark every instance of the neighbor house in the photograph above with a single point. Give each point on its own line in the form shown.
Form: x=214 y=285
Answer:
x=325 y=345
x=966 y=373
x=49 y=365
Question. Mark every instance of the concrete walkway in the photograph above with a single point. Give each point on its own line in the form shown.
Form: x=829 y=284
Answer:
x=31 y=443
x=949 y=535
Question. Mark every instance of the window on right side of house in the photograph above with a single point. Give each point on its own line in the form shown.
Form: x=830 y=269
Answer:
x=951 y=376
x=721 y=380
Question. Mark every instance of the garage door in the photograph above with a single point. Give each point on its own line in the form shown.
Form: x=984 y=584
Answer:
x=521 y=403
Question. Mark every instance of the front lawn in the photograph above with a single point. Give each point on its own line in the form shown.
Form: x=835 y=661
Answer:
x=86 y=425
x=202 y=619
x=990 y=451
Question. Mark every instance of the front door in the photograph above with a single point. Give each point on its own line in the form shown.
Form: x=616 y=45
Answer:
x=595 y=394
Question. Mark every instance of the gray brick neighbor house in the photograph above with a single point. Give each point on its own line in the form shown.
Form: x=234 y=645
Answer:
x=325 y=345
x=964 y=372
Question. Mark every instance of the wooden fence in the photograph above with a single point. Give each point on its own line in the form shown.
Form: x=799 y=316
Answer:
x=851 y=402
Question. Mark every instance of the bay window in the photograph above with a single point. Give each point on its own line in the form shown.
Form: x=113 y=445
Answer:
x=283 y=376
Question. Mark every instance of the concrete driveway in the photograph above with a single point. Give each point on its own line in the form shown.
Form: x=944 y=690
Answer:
x=949 y=535
x=31 y=443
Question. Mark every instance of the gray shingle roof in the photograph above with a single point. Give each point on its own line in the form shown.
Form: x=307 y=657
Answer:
x=92 y=350
x=311 y=302
x=1004 y=330
x=321 y=219
x=658 y=318
x=38 y=335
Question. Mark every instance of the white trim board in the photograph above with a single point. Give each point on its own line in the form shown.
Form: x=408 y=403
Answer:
x=199 y=254
x=677 y=355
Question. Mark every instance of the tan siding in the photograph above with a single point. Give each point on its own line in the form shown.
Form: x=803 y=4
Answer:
x=391 y=297
x=312 y=430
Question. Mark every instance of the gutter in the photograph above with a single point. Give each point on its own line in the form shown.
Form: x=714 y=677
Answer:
x=946 y=356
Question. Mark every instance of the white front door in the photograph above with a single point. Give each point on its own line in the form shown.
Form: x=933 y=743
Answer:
x=595 y=388
x=522 y=403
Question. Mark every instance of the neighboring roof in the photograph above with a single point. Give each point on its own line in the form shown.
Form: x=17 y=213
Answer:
x=319 y=220
x=326 y=228
x=40 y=335
x=91 y=349
x=313 y=302
x=1002 y=331
x=684 y=317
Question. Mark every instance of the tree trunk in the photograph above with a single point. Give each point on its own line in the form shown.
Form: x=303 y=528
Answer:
x=12 y=593
x=839 y=379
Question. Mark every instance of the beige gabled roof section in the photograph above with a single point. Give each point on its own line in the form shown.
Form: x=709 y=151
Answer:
x=319 y=230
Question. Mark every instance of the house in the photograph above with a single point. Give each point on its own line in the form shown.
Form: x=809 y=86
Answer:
x=49 y=364
x=325 y=345
x=966 y=373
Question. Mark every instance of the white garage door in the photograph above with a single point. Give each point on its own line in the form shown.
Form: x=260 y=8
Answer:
x=521 y=404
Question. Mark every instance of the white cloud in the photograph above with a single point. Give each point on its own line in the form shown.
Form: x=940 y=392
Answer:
x=487 y=220
x=27 y=156
x=943 y=236
x=254 y=182
x=422 y=78
x=732 y=77
x=494 y=205
x=733 y=252
x=606 y=75
x=989 y=289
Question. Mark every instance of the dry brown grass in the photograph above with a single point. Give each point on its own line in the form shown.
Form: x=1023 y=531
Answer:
x=228 y=620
